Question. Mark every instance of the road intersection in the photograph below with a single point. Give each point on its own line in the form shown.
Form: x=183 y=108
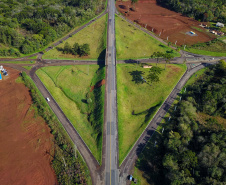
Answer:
x=110 y=173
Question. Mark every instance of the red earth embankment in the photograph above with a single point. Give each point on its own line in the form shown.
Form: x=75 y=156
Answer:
x=25 y=138
x=164 y=22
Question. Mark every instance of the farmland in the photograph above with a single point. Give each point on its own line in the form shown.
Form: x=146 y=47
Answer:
x=164 y=22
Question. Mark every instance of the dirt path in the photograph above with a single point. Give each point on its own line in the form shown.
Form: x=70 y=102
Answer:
x=24 y=139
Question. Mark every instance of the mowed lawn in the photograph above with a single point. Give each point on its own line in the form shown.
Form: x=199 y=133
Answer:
x=132 y=43
x=70 y=86
x=94 y=35
x=137 y=103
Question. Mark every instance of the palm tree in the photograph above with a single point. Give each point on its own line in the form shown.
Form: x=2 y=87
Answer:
x=157 y=55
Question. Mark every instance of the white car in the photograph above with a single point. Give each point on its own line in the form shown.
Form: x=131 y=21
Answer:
x=47 y=99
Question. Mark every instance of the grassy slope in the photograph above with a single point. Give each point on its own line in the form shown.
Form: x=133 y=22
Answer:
x=208 y=53
x=143 y=99
x=69 y=86
x=94 y=35
x=132 y=43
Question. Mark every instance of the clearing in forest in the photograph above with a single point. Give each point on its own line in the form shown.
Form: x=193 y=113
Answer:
x=79 y=91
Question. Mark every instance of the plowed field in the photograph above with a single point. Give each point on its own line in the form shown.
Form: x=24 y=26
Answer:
x=25 y=139
x=164 y=22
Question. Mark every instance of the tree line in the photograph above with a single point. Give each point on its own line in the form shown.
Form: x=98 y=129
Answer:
x=202 y=10
x=81 y=50
x=188 y=150
x=27 y=26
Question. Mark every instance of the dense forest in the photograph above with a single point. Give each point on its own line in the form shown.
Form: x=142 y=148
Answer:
x=190 y=150
x=203 y=10
x=29 y=25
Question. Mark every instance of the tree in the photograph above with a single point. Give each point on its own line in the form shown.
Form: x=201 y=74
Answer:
x=75 y=49
x=167 y=57
x=84 y=50
x=157 y=55
x=154 y=73
x=67 y=48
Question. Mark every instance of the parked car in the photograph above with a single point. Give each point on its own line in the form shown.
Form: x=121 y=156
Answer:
x=130 y=178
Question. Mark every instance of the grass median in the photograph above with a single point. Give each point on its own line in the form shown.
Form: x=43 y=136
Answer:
x=132 y=43
x=138 y=103
x=79 y=91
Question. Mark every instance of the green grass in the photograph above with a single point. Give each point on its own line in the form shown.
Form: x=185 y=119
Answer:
x=215 y=47
x=132 y=43
x=17 y=62
x=70 y=86
x=195 y=76
x=94 y=35
x=203 y=52
x=141 y=99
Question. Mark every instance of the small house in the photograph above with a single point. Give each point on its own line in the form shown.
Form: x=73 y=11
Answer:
x=219 y=24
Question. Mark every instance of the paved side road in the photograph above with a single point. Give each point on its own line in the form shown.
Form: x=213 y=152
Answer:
x=75 y=137
x=128 y=163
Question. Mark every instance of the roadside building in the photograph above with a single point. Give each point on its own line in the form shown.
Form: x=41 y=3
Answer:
x=219 y=24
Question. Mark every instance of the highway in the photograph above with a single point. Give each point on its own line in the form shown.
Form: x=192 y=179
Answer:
x=110 y=173
x=111 y=160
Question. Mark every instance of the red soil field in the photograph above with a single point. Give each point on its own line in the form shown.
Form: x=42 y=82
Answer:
x=25 y=138
x=171 y=24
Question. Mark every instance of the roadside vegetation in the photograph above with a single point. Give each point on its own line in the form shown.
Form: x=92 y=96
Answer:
x=93 y=36
x=138 y=101
x=191 y=148
x=29 y=26
x=67 y=163
x=131 y=43
x=17 y=62
x=215 y=47
x=79 y=91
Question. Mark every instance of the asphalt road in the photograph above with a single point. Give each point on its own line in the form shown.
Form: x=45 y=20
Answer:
x=110 y=173
x=111 y=160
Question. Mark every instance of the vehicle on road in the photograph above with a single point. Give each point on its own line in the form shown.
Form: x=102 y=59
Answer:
x=130 y=178
x=47 y=99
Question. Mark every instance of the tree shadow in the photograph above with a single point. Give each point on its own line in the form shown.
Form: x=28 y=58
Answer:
x=84 y=101
x=131 y=61
x=149 y=112
x=101 y=58
x=162 y=45
x=150 y=160
x=59 y=49
x=137 y=76
x=171 y=51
